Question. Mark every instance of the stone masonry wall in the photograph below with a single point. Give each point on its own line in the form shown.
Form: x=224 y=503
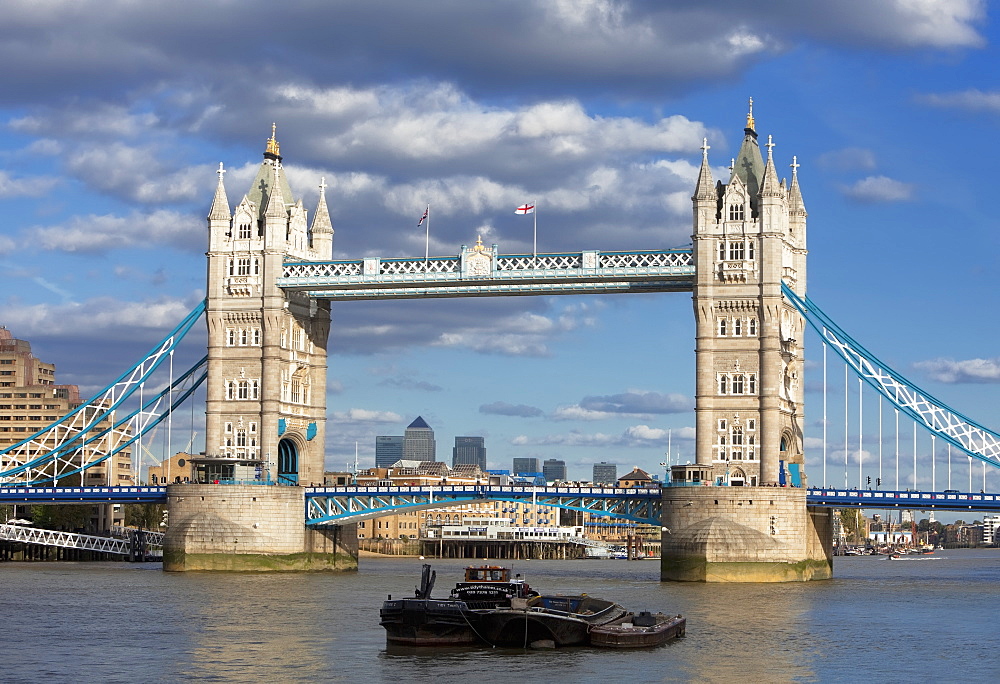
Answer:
x=247 y=528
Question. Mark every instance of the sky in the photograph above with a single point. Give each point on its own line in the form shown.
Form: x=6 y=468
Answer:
x=116 y=115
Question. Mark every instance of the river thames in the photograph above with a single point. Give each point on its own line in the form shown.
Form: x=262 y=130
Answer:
x=915 y=620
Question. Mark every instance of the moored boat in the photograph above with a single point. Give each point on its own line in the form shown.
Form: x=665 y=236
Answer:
x=638 y=631
x=425 y=621
x=562 y=620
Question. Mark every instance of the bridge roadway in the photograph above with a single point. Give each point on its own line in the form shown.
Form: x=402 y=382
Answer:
x=326 y=505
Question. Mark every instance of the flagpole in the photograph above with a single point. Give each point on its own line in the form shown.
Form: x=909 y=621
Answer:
x=427 y=235
x=534 y=249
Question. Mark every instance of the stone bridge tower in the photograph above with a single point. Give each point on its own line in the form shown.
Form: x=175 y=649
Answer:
x=266 y=403
x=746 y=520
x=749 y=236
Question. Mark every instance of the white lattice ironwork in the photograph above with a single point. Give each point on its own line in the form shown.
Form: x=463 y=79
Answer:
x=934 y=415
x=479 y=271
x=417 y=266
x=67 y=540
x=541 y=262
x=340 y=505
x=95 y=431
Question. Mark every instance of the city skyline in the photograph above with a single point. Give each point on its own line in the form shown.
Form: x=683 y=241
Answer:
x=596 y=113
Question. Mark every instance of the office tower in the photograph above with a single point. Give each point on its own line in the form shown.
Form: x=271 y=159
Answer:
x=469 y=451
x=526 y=465
x=388 y=450
x=554 y=470
x=605 y=473
x=418 y=442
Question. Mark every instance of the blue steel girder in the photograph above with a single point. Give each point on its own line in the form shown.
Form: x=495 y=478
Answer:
x=69 y=444
x=883 y=499
x=937 y=417
x=493 y=275
x=341 y=505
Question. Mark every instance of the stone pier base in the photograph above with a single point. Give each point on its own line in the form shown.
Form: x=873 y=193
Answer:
x=246 y=528
x=744 y=534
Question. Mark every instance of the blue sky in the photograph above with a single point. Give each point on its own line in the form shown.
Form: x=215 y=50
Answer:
x=116 y=115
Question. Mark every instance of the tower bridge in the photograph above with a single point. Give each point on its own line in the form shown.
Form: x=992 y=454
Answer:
x=271 y=283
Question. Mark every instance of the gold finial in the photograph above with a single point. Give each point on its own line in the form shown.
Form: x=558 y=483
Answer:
x=272 y=144
x=750 y=124
x=479 y=244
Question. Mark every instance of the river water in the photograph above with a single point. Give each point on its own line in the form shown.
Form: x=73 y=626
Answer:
x=920 y=620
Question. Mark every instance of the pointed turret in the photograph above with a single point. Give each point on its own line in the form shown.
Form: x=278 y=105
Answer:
x=796 y=206
x=322 y=226
x=220 y=203
x=705 y=189
x=770 y=186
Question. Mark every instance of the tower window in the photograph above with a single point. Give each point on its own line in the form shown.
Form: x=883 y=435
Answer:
x=738 y=385
x=752 y=382
x=244 y=231
x=736 y=251
x=736 y=212
x=752 y=327
x=737 y=327
x=722 y=327
x=723 y=384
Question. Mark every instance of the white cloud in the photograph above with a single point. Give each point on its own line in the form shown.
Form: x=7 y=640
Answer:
x=879 y=189
x=99 y=318
x=968 y=371
x=25 y=187
x=633 y=436
x=93 y=234
x=972 y=100
x=848 y=159
x=356 y=415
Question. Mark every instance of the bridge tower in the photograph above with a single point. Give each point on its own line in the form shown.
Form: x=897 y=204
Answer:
x=266 y=387
x=265 y=408
x=750 y=522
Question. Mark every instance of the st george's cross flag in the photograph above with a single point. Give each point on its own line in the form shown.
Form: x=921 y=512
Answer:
x=525 y=209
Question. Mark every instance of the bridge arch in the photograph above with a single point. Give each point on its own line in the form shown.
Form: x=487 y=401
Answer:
x=288 y=460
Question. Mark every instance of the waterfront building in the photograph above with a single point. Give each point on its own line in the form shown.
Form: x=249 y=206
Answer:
x=526 y=465
x=469 y=451
x=637 y=478
x=405 y=473
x=605 y=473
x=30 y=400
x=991 y=529
x=177 y=468
x=388 y=450
x=418 y=442
x=554 y=470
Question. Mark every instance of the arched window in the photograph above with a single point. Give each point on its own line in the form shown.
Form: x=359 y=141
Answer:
x=752 y=382
x=736 y=212
x=244 y=232
x=738 y=385
x=737 y=327
x=722 y=327
x=722 y=252
x=723 y=384
x=752 y=327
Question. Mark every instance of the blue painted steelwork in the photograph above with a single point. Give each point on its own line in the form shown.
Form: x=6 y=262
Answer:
x=123 y=433
x=867 y=498
x=337 y=505
x=82 y=495
x=936 y=416
x=53 y=452
x=502 y=275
